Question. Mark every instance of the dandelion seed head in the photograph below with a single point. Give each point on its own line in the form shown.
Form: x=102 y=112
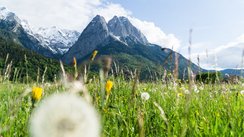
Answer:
x=242 y=92
x=64 y=115
x=145 y=96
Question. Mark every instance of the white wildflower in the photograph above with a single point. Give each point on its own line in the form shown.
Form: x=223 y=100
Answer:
x=242 y=92
x=201 y=87
x=175 y=84
x=186 y=91
x=196 y=89
x=48 y=84
x=145 y=96
x=64 y=115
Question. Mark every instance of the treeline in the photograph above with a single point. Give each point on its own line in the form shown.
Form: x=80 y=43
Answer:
x=20 y=63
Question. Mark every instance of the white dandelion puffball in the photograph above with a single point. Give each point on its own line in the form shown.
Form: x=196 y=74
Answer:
x=242 y=92
x=145 y=96
x=64 y=115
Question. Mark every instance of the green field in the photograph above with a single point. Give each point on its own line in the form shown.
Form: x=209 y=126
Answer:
x=172 y=109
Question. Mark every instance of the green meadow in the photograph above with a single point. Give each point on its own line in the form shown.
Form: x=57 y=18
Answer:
x=173 y=109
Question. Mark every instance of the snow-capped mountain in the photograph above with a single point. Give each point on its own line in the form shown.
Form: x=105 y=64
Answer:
x=126 y=44
x=18 y=30
x=117 y=38
x=95 y=33
x=5 y=14
x=122 y=28
x=58 y=41
x=99 y=32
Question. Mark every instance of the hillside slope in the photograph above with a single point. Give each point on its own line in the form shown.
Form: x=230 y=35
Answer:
x=17 y=56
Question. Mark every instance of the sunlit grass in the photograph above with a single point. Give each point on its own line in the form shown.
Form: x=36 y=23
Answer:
x=216 y=110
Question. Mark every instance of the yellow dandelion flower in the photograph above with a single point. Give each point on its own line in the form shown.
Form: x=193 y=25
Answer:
x=109 y=86
x=94 y=54
x=74 y=61
x=180 y=94
x=36 y=93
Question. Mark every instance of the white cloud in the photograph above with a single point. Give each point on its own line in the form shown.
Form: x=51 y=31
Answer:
x=76 y=14
x=155 y=35
x=109 y=10
x=224 y=56
x=46 y=13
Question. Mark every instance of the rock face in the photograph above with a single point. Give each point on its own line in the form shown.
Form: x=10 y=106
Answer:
x=94 y=34
x=99 y=32
x=122 y=28
x=117 y=38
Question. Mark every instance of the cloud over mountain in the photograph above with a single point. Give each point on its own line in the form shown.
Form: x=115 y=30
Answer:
x=76 y=15
x=224 y=56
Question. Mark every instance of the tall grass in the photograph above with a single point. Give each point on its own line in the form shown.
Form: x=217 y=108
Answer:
x=214 y=111
x=173 y=109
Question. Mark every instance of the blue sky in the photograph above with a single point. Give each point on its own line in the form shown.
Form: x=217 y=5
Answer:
x=216 y=21
x=218 y=25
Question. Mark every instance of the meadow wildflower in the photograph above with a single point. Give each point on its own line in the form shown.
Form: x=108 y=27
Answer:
x=74 y=62
x=64 y=115
x=36 y=93
x=186 y=91
x=145 y=96
x=180 y=94
x=242 y=92
x=201 y=88
x=94 y=54
x=109 y=85
x=195 y=89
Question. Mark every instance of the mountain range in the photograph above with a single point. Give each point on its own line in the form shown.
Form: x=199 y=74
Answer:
x=50 y=42
x=118 y=38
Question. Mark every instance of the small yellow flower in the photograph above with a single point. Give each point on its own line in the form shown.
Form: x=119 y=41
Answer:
x=74 y=62
x=36 y=93
x=180 y=94
x=109 y=86
x=94 y=54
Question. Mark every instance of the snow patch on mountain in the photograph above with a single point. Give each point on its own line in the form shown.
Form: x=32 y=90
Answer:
x=121 y=26
x=59 y=39
x=4 y=13
x=118 y=38
x=55 y=39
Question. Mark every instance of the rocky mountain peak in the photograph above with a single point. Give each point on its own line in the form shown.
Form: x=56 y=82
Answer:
x=94 y=34
x=122 y=27
x=97 y=22
x=5 y=14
